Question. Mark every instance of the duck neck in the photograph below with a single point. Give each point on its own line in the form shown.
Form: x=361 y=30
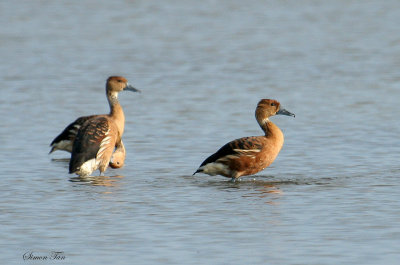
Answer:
x=116 y=112
x=269 y=128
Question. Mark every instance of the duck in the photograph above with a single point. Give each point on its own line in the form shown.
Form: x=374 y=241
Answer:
x=65 y=140
x=118 y=157
x=249 y=155
x=98 y=136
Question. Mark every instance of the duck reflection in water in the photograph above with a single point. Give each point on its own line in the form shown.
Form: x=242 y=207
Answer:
x=105 y=181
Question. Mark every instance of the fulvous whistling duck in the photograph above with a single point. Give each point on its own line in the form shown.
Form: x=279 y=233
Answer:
x=65 y=140
x=249 y=155
x=98 y=136
x=118 y=157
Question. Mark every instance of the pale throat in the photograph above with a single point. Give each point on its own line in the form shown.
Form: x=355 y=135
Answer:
x=264 y=125
x=112 y=98
x=265 y=121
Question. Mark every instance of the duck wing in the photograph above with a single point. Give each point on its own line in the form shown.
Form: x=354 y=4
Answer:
x=246 y=146
x=91 y=142
x=70 y=132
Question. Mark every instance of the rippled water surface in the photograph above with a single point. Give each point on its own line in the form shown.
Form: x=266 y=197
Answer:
x=331 y=197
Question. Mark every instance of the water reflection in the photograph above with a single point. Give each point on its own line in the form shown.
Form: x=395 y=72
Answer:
x=255 y=181
x=105 y=181
x=260 y=186
x=63 y=160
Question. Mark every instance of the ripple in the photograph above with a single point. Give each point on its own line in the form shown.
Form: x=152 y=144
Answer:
x=105 y=181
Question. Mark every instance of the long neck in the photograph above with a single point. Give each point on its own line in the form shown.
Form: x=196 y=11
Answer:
x=270 y=129
x=116 y=112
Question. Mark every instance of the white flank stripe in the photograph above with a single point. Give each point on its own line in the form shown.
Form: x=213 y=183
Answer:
x=103 y=146
x=246 y=150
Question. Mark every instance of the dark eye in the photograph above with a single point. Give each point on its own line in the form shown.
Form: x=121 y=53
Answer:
x=120 y=81
x=273 y=104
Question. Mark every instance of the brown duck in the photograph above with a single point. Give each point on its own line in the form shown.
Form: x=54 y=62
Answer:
x=249 y=155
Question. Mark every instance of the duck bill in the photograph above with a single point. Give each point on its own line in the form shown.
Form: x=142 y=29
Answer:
x=131 y=88
x=285 y=112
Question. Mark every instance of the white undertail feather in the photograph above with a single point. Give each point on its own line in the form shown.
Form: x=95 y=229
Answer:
x=63 y=145
x=88 y=167
x=215 y=168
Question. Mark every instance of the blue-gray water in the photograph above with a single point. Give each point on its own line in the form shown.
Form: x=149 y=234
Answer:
x=331 y=197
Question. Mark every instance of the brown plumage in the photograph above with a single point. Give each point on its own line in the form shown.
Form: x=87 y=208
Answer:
x=118 y=157
x=98 y=136
x=249 y=155
x=65 y=139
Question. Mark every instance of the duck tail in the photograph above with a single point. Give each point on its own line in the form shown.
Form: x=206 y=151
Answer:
x=197 y=171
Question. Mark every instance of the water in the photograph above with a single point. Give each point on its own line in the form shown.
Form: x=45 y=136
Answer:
x=331 y=197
